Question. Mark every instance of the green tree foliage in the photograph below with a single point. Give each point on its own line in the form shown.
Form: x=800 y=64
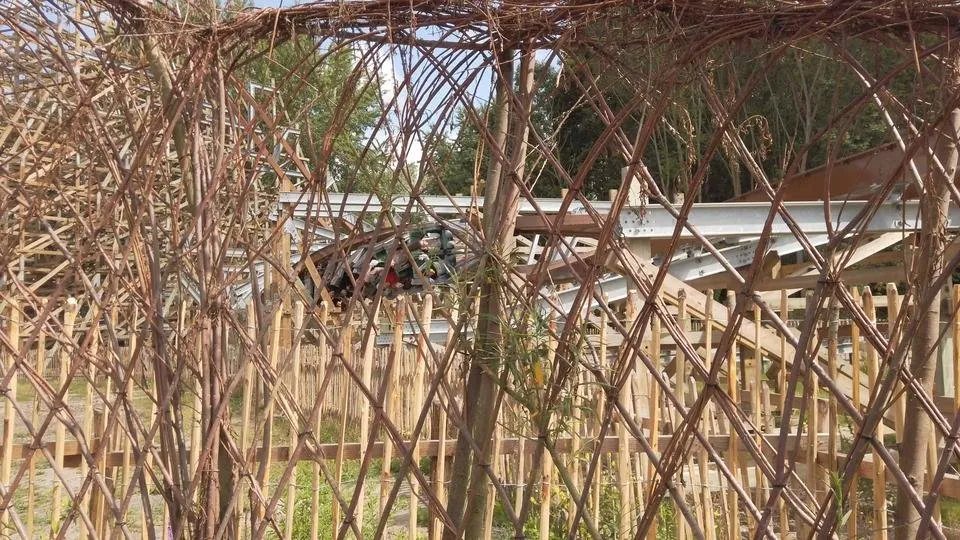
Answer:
x=781 y=119
x=796 y=99
x=576 y=126
x=461 y=163
x=319 y=89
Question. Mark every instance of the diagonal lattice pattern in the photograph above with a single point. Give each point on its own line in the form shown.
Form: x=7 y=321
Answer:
x=222 y=320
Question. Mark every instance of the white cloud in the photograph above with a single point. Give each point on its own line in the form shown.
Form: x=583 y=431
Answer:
x=383 y=61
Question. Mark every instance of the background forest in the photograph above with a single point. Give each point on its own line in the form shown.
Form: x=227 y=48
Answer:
x=785 y=120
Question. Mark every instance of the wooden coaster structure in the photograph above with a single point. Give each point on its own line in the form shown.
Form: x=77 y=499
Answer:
x=172 y=367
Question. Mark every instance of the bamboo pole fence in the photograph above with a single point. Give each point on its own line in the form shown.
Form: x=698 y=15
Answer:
x=176 y=361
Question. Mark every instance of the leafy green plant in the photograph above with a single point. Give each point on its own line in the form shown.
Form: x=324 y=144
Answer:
x=840 y=499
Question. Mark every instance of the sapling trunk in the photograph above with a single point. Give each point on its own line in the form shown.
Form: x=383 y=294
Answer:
x=468 y=492
x=474 y=388
x=929 y=264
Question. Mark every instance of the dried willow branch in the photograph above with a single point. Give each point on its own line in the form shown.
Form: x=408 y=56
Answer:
x=141 y=175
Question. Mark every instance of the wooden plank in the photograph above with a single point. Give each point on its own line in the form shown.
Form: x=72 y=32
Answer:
x=792 y=284
x=9 y=361
x=576 y=225
x=769 y=341
x=49 y=275
x=950 y=487
x=861 y=253
x=428 y=448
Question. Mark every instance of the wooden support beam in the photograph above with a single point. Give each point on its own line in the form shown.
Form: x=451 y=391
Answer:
x=769 y=340
x=428 y=449
x=578 y=225
x=882 y=274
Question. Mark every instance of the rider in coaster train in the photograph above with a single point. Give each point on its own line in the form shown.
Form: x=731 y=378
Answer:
x=436 y=262
x=434 y=259
x=433 y=252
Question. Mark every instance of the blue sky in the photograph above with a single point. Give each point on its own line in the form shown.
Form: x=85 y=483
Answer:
x=432 y=91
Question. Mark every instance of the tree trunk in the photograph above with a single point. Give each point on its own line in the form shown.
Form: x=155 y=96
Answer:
x=931 y=241
x=218 y=475
x=468 y=490
x=460 y=472
x=171 y=433
x=502 y=226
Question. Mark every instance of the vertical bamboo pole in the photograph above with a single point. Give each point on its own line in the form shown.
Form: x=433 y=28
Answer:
x=680 y=388
x=637 y=398
x=546 y=494
x=491 y=492
x=426 y=315
x=439 y=486
x=932 y=463
x=98 y=503
x=653 y=392
x=147 y=465
x=132 y=340
x=69 y=320
x=366 y=375
x=346 y=338
x=100 y=519
x=704 y=493
x=733 y=451
x=196 y=424
x=546 y=473
x=246 y=407
x=879 y=526
x=436 y=528
x=572 y=462
x=441 y=472
x=6 y=451
x=623 y=452
x=811 y=392
x=294 y=427
x=315 y=466
x=703 y=457
x=202 y=377
x=756 y=399
x=833 y=444
x=900 y=405
x=88 y=428
x=680 y=376
x=641 y=396
x=410 y=416
x=393 y=385
x=41 y=363
x=932 y=440
x=782 y=386
x=854 y=496
x=165 y=527
x=263 y=476
x=599 y=400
